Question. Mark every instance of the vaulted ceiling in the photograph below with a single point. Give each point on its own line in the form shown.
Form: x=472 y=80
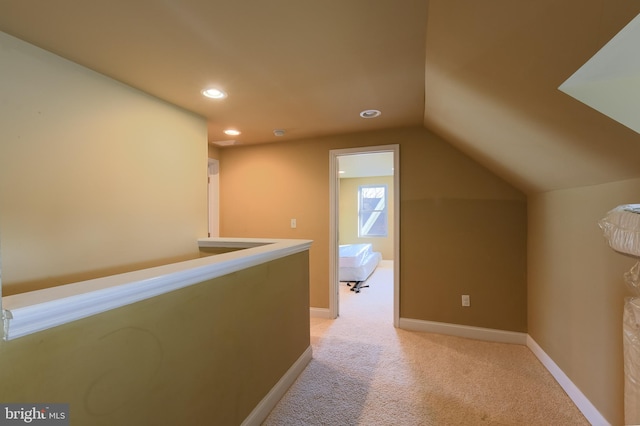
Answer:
x=484 y=75
x=493 y=69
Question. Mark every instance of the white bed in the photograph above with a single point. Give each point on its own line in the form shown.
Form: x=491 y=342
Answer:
x=357 y=262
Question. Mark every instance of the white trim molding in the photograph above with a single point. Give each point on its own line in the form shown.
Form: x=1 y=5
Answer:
x=582 y=402
x=38 y=310
x=320 y=313
x=467 y=331
x=585 y=406
x=334 y=185
x=264 y=407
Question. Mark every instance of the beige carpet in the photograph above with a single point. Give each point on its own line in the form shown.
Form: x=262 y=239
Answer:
x=366 y=372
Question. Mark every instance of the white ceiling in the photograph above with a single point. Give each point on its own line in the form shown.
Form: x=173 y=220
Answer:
x=366 y=165
x=610 y=81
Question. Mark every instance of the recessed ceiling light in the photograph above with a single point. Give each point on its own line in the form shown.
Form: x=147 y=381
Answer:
x=232 y=132
x=214 y=93
x=370 y=113
x=224 y=143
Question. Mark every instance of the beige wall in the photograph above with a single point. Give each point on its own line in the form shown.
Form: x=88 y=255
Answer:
x=93 y=174
x=348 y=214
x=202 y=355
x=214 y=151
x=576 y=289
x=463 y=230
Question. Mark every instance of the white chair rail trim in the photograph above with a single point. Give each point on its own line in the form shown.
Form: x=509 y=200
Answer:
x=38 y=310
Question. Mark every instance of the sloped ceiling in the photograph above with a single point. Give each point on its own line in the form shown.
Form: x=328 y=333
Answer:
x=493 y=69
x=482 y=74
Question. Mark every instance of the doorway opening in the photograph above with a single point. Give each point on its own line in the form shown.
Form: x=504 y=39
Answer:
x=346 y=156
x=213 y=197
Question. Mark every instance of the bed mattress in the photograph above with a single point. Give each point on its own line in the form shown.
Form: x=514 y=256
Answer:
x=357 y=262
x=621 y=227
x=354 y=255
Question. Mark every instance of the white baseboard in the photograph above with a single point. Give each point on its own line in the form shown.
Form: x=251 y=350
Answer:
x=582 y=402
x=262 y=410
x=467 y=331
x=584 y=405
x=320 y=313
x=591 y=413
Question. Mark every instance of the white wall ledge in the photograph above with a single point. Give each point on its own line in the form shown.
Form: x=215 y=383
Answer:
x=28 y=313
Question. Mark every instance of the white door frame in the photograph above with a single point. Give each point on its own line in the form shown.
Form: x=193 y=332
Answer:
x=334 y=194
x=213 y=197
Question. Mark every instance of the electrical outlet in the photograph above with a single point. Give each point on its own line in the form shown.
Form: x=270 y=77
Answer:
x=293 y=223
x=466 y=301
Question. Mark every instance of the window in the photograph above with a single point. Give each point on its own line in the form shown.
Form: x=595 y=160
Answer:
x=372 y=211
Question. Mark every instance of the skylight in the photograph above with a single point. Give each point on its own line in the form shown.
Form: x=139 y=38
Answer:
x=610 y=81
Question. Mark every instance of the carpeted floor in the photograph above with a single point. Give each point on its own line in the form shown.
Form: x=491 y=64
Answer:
x=366 y=372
